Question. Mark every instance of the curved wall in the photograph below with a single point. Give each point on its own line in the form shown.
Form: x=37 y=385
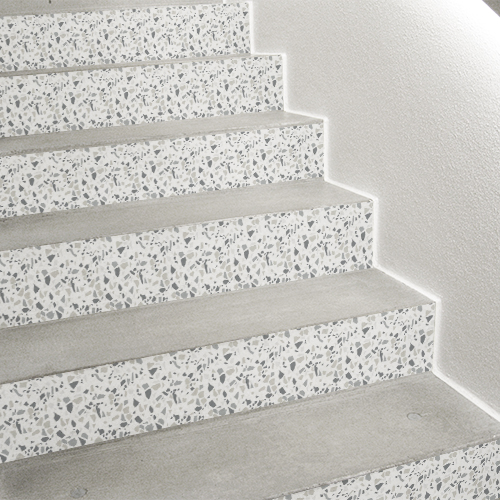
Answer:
x=412 y=94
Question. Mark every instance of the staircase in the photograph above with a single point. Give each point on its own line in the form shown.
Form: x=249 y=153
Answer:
x=187 y=309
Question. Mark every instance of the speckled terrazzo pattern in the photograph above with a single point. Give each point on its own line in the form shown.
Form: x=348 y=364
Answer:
x=97 y=404
x=84 y=277
x=79 y=178
x=54 y=102
x=118 y=36
x=469 y=474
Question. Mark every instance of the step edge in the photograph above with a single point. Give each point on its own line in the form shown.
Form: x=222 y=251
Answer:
x=6 y=11
x=411 y=300
x=22 y=223
x=427 y=377
x=144 y=64
x=488 y=434
x=142 y=356
x=174 y=129
x=415 y=458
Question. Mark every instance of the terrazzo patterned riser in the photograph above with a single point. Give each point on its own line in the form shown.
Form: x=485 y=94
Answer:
x=83 y=277
x=119 y=36
x=469 y=474
x=55 y=102
x=122 y=399
x=78 y=178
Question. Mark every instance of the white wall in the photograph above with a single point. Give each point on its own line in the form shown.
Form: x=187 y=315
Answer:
x=412 y=92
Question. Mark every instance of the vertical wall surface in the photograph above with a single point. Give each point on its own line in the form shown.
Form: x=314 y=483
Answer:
x=412 y=93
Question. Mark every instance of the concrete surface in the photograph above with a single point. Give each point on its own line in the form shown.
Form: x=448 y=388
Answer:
x=24 y=7
x=173 y=129
x=147 y=215
x=59 y=346
x=265 y=453
x=98 y=67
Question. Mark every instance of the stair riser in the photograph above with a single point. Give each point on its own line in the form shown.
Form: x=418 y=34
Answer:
x=119 y=36
x=82 y=407
x=466 y=474
x=55 y=102
x=62 y=180
x=116 y=272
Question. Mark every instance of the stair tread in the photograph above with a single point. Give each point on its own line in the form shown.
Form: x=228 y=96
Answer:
x=126 y=64
x=140 y=93
x=34 y=7
x=65 y=345
x=263 y=454
x=147 y=215
x=60 y=141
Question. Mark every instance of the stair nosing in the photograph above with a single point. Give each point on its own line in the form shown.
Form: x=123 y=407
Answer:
x=381 y=294
x=149 y=132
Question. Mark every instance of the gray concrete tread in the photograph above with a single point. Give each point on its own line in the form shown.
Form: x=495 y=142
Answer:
x=69 y=344
x=134 y=217
x=28 y=7
x=174 y=129
x=265 y=453
x=99 y=67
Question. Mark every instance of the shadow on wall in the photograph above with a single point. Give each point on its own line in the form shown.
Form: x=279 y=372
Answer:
x=494 y=4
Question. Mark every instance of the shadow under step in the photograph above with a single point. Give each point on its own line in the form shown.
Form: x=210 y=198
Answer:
x=414 y=438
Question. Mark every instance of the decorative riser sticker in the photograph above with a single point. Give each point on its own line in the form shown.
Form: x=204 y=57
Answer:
x=79 y=178
x=84 y=277
x=469 y=474
x=54 y=102
x=119 y=36
x=97 y=404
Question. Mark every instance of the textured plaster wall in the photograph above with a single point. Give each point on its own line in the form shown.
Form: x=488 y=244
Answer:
x=412 y=92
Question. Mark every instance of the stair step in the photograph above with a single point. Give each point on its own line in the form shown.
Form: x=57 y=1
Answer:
x=139 y=93
x=176 y=129
x=70 y=170
x=127 y=35
x=35 y=7
x=80 y=262
x=149 y=215
x=352 y=440
x=60 y=346
x=227 y=355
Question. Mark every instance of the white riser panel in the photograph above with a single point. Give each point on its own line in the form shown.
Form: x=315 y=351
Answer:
x=120 y=36
x=56 y=102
